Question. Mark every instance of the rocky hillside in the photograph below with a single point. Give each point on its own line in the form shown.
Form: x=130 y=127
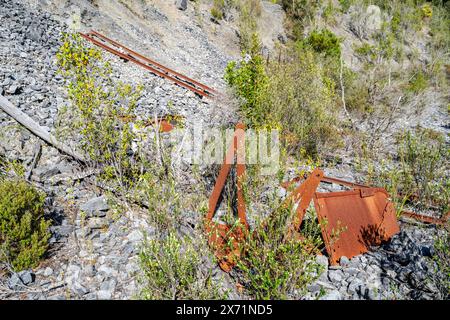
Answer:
x=99 y=236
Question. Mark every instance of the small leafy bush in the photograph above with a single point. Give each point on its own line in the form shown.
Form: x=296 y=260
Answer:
x=24 y=232
x=216 y=14
x=296 y=96
x=424 y=159
x=301 y=97
x=277 y=267
x=418 y=82
x=173 y=269
x=421 y=175
x=249 y=80
x=441 y=257
x=300 y=11
x=324 y=42
x=98 y=107
x=426 y=10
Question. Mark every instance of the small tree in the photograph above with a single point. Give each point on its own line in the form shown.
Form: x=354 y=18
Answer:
x=249 y=80
x=99 y=107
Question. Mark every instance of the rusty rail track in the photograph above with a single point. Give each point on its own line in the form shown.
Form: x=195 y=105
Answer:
x=154 y=67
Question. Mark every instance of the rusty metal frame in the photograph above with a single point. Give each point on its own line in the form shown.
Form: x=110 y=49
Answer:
x=225 y=239
x=367 y=213
x=304 y=194
x=153 y=66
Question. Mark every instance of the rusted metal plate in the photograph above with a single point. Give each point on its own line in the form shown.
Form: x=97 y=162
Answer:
x=354 y=220
x=225 y=239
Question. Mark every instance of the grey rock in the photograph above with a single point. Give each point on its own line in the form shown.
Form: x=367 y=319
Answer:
x=313 y=288
x=104 y=295
x=335 y=276
x=14 y=89
x=107 y=289
x=322 y=260
x=373 y=18
x=332 y=295
x=14 y=282
x=27 y=277
x=42 y=174
x=63 y=231
x=351 y=271
x=344 y=261
x=57 y=297
x=135 y=236
x=427 y=251
x=97 y=223
x=89 y=270
x=95 y=207
x=181 y=4
x=91 y=296
x=354 y=285
x=79 y=289
x=48 y=272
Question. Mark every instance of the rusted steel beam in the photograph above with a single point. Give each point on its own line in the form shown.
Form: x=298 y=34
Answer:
x=225 y=239
x=427 y=219
x=152 y=69
x=344 y=183
x=154 y=63
x=304 y=193
x=326 y=179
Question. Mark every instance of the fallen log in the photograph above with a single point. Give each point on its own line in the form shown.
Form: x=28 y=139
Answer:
x=36 y=129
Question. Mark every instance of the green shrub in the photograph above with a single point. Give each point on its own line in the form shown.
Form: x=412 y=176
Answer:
x=295 y=96
x=98 y=109
x=441 y=257
x=418 y=82
x=23 y=230
x=300 y=9
x=323 y=41
x=217 y=14
x=173 y=268
x=345 y=5
x=424 y=158
x=421 y=176
x=249 y=80
x=426 y=10
x=302 y=99
x=276 y=267
x=396 y=22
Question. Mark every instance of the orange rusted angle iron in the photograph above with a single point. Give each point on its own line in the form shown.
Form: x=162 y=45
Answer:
x=225 y=239
x=427 y=219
